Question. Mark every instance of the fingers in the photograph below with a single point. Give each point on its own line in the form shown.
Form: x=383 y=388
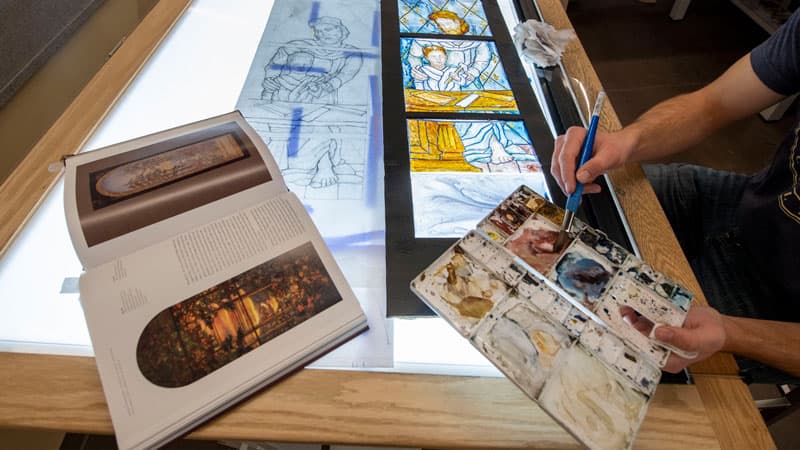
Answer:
x=555 y=168
x=568 y=155
x=638 y=322
x=682 y=338
x=565 y=151
x=675 y=364
x=593 y=168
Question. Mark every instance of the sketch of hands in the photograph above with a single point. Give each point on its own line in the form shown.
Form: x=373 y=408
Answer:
x=322 y=87
x=417 y=74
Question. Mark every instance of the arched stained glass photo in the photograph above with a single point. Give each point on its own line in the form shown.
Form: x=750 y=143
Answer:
x=205 y=332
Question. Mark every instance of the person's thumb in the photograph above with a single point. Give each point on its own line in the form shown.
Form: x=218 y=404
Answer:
x=677 y=337
x=593 y=168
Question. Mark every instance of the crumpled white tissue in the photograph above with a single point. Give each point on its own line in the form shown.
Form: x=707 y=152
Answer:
x=541 y=43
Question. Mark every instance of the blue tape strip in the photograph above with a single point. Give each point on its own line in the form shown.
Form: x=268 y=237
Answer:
x=375 y=151
x=314 y=12
x=292 y=68
x=294 y=133
x=376 y=29
x=361 y=54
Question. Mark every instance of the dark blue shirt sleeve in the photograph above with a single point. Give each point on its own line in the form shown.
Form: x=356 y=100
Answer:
x=777 y=60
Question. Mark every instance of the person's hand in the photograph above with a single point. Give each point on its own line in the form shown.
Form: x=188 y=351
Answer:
x=702 y=332
x=611 y=150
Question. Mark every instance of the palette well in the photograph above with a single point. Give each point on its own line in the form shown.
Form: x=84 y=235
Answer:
x=550 y=320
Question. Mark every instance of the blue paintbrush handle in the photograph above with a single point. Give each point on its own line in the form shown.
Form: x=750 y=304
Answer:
x=574 y=199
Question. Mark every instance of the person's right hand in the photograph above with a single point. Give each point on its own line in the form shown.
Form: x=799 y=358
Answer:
x=611 y=150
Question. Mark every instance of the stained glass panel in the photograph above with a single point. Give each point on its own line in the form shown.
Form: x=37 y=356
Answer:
x=449 y=204
x=441 y=75
x=459 y=168
x=496 y=146
x=454 y=17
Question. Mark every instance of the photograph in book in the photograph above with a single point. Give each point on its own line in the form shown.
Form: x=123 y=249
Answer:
x=199 y=335
x=128 y=191
x=551 y=321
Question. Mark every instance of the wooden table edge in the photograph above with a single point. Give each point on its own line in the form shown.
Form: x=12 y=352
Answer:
x=24 y=189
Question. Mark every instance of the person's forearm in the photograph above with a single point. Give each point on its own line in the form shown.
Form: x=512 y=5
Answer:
x=680 y=122
x=671 y=127
x=776 y=344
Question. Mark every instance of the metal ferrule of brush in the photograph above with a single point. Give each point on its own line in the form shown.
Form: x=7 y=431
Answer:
x=566 y=225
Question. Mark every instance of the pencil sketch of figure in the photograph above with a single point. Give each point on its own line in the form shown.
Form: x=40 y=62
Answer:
x=312 y=70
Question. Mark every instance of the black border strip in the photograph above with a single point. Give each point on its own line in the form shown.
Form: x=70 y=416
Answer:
x=407 y=256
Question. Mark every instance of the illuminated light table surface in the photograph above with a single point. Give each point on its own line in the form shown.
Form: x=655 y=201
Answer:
x=41 y=390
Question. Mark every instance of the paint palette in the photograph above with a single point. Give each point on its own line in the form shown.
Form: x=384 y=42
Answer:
x=551 y=321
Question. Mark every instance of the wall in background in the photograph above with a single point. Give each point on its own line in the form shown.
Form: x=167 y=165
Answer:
x=47 y=93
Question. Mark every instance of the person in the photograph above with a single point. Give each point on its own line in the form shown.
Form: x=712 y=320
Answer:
x=740 y=233
x=436 y=75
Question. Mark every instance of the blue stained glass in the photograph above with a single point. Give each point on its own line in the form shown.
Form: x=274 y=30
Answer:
x=454 y=17
x=449 y=65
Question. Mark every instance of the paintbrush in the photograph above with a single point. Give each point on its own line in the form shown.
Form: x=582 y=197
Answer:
x=574 y=199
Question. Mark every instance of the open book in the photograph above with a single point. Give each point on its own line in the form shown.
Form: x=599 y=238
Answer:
x=205 y=279
x=551 y=320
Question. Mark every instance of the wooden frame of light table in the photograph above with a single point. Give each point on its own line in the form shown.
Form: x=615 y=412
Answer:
x=324 y=406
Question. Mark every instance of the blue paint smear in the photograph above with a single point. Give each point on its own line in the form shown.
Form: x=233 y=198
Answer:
x=294 y=133
x=376 y=29
x=375 y=150
x=314 y=12
x=291 y=68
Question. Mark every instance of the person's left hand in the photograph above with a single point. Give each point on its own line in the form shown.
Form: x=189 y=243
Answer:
x=702 y=332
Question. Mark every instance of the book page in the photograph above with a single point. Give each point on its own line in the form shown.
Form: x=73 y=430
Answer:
x=120 y=198
x=183 y=327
